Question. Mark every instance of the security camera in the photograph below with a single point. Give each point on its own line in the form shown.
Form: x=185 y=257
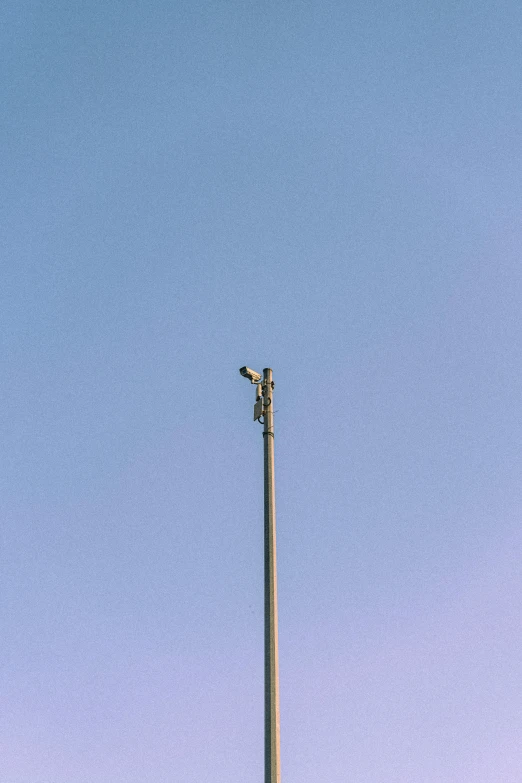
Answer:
x=254 y=377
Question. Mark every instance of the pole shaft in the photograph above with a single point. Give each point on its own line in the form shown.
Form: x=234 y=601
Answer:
x=272 y=743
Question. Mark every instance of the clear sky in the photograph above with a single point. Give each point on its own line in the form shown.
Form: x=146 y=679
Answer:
x=332 y=189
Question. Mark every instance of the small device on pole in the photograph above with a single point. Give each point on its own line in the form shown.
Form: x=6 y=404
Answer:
x=264 y=408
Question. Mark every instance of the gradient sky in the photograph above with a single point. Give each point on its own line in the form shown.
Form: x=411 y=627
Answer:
x=332 y=189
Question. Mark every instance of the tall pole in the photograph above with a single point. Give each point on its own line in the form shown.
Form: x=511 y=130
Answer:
x=264 y=408
x=272 y=743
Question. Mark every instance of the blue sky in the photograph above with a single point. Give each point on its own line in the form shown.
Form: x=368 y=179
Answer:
x=329 y=189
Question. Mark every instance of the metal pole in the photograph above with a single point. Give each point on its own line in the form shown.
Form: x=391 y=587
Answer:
x=272 y=744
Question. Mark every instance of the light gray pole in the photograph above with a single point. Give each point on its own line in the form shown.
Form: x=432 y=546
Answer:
x=272 y=750
x=265 y=407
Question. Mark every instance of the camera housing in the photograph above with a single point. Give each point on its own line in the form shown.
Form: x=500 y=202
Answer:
x=252 y=375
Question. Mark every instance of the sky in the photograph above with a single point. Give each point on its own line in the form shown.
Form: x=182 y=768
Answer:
x=330 y=189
